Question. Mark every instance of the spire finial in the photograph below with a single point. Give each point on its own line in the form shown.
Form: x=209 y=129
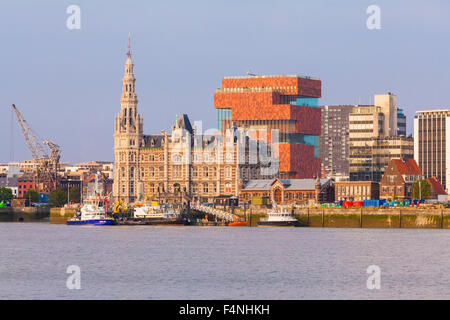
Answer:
x=129 y=46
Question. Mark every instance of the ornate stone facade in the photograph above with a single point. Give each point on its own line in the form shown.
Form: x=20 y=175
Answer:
x=184 y=164
x=127 y=138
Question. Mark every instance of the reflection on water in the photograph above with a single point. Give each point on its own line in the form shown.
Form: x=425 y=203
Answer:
x=152 y=262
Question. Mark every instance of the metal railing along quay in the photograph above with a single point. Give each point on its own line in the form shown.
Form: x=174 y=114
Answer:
x=216 y=212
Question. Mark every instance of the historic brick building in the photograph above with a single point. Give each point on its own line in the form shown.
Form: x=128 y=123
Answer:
x=289 y=191
x=357 y=190
x=25 y=183
x=286 y=103
x=398 y=179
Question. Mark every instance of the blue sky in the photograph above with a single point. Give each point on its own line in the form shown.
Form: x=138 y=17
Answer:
x=67 y=83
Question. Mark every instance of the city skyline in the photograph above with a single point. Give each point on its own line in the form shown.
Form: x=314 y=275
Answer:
x=66 y=82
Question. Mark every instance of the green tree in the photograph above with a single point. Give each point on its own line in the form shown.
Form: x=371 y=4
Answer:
x=32 y=195
x=5 y=194
x=422 y=193
x=74 y=194
x=57 y=198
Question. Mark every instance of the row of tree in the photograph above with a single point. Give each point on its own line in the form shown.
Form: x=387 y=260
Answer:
x=57 y=198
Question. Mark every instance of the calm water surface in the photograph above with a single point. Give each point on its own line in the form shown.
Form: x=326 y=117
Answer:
x=221 y=263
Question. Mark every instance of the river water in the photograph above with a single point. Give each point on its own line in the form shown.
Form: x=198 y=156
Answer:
x=178 y=262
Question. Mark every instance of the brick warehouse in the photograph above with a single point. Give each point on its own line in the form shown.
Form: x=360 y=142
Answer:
x=287 y=103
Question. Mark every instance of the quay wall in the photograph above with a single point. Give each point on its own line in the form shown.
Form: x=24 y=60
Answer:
x=24 y=214
x=61 y=215
x=436 y=218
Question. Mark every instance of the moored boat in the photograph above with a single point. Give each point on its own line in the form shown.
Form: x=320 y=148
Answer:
x=278 y=217
x=238 y=223
x=92 y=212
x=150 y=213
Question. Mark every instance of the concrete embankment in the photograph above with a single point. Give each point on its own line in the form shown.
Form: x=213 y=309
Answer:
x=24 y=214
x=375 y=218
x=61 y=215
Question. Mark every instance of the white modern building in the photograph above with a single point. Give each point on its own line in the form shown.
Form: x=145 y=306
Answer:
x=432 y=144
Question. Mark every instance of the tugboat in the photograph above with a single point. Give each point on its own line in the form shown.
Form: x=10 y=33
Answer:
x=93 y=211
x=279 y=218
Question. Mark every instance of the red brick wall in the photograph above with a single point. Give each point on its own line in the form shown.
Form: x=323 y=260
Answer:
x=24 y=186
x=299 y=158
x=308 y=119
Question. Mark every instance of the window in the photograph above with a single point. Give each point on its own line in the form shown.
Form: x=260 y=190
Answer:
x=152 y=172
x=205 y=172
x=228 y=187
x=176 y=173
x=227 y=172
x=205 y=188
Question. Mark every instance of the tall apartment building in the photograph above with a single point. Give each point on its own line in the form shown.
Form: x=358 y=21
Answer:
x=401 y=123
x=333 y=141
x=287 y=103
x=374 y=138
x=431 y=144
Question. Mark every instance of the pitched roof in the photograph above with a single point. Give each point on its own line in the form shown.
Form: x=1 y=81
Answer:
x=183 y=122
x=436 y=187
x=289 y=184
x=153 y=140
x=408 y=166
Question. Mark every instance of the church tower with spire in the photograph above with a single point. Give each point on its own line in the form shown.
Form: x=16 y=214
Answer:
x=128 y=136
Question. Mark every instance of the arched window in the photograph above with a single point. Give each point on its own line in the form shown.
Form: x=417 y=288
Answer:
x=176 y=188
